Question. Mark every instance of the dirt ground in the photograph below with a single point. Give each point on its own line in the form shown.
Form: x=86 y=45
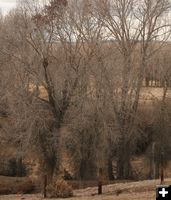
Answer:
x=134 y=196
x=143 y=190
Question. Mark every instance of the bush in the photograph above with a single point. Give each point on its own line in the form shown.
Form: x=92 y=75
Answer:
x=59 y=189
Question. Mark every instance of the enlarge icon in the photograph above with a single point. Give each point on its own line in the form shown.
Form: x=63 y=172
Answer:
x=163 y=192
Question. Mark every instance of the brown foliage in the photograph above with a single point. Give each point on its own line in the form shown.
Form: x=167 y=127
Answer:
x=60 y=189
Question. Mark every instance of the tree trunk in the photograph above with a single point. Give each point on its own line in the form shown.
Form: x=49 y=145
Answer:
x=157 y=171
x=110 y=168
x=123 y=162
x=147 y=81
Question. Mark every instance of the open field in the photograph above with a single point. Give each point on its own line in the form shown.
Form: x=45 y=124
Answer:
x=142 y=190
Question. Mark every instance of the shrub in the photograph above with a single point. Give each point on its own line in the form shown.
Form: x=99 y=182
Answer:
x=59 y=189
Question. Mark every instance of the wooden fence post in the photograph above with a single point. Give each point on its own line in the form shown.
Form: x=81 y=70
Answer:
x=45 y=186
x=100 y=182
x=162 y=169
x=161 y=176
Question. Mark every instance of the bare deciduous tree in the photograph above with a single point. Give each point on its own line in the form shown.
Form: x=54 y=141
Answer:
x=134 y=27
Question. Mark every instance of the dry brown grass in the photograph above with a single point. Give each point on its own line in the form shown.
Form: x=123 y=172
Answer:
x=15 y=185
x=143 y=190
